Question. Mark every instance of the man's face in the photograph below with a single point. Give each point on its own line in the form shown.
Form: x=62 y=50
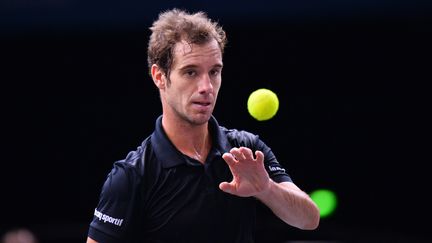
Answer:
x=195 y=81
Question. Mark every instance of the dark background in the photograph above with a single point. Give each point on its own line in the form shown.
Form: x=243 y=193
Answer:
x=351 y=77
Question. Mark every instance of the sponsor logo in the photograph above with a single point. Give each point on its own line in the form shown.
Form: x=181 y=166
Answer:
x=106 y=218
x=274 y=168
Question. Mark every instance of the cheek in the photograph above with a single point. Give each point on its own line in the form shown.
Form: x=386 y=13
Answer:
x=182 y=94
x=216 y=86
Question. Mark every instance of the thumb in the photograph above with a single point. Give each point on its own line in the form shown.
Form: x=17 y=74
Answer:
x=226 y=187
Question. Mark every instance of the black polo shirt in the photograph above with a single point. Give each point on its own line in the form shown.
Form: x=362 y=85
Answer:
x=158 y=194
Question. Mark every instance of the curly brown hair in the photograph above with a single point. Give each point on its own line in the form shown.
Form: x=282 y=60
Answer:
x=176 y=25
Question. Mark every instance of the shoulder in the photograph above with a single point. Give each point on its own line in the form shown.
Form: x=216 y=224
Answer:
x=239 y=137
x=131 y=169
x=137 y=160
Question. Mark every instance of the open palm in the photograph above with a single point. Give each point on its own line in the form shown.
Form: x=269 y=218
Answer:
x=249 y=175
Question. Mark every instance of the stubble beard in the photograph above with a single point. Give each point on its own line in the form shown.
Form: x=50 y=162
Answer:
x=188 y=116
x=195 y=119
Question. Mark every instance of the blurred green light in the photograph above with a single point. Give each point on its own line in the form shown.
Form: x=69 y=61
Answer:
x=326 y=201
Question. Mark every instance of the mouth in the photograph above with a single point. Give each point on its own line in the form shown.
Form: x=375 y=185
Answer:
x=201 y=103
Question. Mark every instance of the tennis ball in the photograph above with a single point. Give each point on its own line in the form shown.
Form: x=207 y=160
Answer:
x=326 y=200
x=262 y=104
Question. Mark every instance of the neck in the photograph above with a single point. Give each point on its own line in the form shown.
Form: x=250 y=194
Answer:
x=190 y=139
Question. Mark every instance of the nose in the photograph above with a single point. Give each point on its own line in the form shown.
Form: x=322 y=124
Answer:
x=205 y=85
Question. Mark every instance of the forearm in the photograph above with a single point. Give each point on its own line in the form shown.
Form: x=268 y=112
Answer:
x=291 y=205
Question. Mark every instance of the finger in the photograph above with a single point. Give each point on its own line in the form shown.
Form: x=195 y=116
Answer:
x=237 y=154
x=247 y=153
x=227 y=187
x=229 y=158
x=259 y=156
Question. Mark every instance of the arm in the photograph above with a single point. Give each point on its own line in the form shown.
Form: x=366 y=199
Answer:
x=114 y=218
x=291 y=205
x=285 y=199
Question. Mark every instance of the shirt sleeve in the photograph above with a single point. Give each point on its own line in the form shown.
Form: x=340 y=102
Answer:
x=114 y=215
x=275 y=170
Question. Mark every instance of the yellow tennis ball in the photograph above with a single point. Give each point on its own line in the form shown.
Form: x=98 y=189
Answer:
x=263 y=104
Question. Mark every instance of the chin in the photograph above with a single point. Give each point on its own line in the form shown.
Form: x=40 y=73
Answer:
x=199 y=119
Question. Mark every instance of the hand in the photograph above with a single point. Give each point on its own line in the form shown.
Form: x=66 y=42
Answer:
x=249 y=175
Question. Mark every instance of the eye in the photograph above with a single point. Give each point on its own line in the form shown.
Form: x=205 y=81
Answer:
x=214 y=72
x=190 y=73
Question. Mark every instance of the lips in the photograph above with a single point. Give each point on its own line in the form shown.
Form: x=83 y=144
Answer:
x=202 y=103
x=202 y=106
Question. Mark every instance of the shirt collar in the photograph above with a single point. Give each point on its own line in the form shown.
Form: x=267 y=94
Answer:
x=168 y=154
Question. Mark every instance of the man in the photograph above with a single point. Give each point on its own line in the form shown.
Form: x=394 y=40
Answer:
x=193 y=180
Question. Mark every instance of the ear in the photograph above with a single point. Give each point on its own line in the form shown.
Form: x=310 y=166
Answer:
x=158 y=76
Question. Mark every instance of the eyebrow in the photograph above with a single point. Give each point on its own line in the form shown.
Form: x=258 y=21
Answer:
x=195 y=66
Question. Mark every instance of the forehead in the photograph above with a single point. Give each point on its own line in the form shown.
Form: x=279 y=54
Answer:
x=196 y=54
